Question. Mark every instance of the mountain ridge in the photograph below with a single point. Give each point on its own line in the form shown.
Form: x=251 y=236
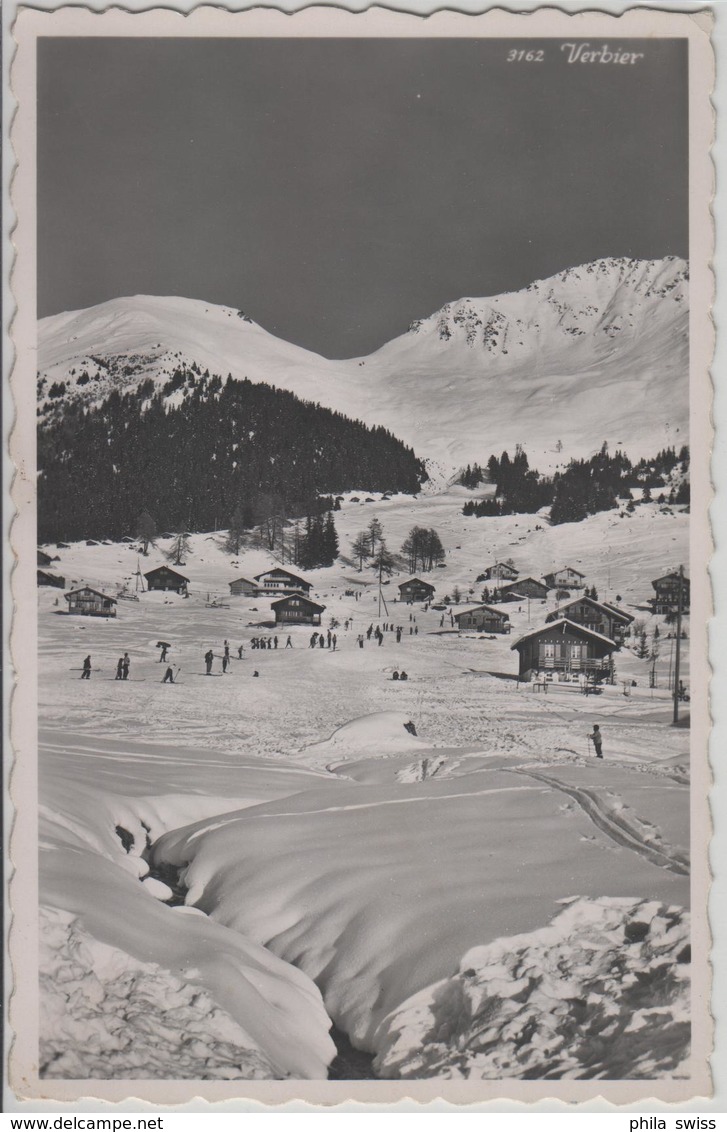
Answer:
x=596 y=352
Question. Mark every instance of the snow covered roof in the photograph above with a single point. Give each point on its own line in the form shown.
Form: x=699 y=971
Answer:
x=611 y=610
x=285 y=573
x=165 y=569
x=89 y=590
x=300 y=597
x=565 y=623
x=416 y=581
x=484 y=609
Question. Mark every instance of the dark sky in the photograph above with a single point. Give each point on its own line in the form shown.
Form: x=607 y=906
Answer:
x=337 y=189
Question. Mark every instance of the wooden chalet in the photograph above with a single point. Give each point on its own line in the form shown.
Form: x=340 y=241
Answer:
x=243 y=587
x=48 y=578
x=483 y=619
x=566 y=579
x=608 y=620
x=90 y=603
x=564 y=648
x=500 y=572
x=164 y=578
x=523 y=588
x=43 y=558
x=297 y=609
x=667 y=593
x=415 y=590
x=280 y=581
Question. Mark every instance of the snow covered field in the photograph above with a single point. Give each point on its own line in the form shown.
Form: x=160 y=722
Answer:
x=243 y=863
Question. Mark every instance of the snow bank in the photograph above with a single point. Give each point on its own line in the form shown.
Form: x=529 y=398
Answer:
x=602 y=992
x=109 y=1016
x=375 y=890
x=385 y=732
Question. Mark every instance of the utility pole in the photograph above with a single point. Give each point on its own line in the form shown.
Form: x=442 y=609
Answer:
x=678 y=648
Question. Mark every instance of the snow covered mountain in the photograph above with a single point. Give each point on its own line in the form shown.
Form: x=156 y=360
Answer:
x=597 y=352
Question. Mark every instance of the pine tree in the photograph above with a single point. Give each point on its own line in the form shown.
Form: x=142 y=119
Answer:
x=236 y=532
x=642 y=648
x=146 y=531
x=329 y=541
x=382 y=562
x=361 y=548
x=375 y=534
x=179 y=549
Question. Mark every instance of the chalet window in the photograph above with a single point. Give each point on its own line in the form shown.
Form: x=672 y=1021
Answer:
x=549 y=651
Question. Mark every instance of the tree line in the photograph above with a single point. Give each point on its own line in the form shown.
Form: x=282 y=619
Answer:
x=218 y=454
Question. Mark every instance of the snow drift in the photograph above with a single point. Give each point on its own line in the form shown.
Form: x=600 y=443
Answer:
x=603 y=991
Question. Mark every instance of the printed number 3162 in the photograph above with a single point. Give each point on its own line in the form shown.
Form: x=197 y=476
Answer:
x=516 y=56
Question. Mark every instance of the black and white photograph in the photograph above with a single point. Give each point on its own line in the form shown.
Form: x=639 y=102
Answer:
x=365 y=380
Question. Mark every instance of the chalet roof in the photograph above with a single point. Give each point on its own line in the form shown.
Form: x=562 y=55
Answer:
x=484 y=609
x=672 y=576
x=244 y=581
x=301 y=597
x=281 y=570
x=43 y=558
x=417 y=581
x=520 y=581
x=90 y=590
x=166 y=570
x=564 y=622
x=571 y=568
x=612 y=610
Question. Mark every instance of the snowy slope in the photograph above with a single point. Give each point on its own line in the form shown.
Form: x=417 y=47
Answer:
x=597 y=352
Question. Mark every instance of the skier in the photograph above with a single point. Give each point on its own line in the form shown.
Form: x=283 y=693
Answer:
x=209 y=656
x=322 y=641
x=360 y=640
x=313 y=639
x=398 y=634
x=275 y=642
x=227 y=652
x=163 y=655
x=369 y=631
x=334 y=639
x=330 y=635
x=168 y=675
x=240 y=652
x=119 y=668
x=126 y=665
x=289 y=642
x=416 y=630
x=225 y=661
x=86 y=674
x=597 y=739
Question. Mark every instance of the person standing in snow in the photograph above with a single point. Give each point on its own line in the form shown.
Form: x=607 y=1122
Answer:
x=86 y=673
x=209 y=656
x=398 y=634
x=119 y=669
x=334 y=640
x=329 y=636
x=239 y=652
x=225 y=661
x=313 y=639
x=163 y=655
x=322 y=641
x=597 y=739
x=289 y=642
x=126 y=665
x=275 y=642
x=227 y=651
x=360 y=640
x=369 y=631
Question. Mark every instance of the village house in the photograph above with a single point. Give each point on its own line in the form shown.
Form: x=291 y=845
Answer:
x=415 y=590
x=297 y=609
x=606 y=619
x=279 y=581
x=667 y=593
x=523 y=588
x=566 y=579
x=243 y=587
x=483 y=619
x=500 y=572
x=90 y=603
x=44 y=559
x=565 y=649
x=164 y=578
x=47 y=578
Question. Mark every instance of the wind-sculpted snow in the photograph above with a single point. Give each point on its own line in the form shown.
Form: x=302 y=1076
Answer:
x=597 y=352
x=603 y=991
x=107 y=1015
x=343 y=881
